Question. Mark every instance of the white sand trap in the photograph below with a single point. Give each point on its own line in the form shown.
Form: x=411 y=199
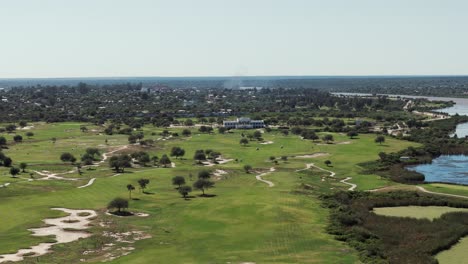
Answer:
x=88 y=184
x=56 y=227
x=4 y=185
x=173 y=165
x=26 y=128
x=259 y=177
x=267 y=142
x=218 y=174
x=219 y=160
x=344 y=143
x=315 y=155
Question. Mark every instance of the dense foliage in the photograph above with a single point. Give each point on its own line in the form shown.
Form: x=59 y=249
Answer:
x=383 y=239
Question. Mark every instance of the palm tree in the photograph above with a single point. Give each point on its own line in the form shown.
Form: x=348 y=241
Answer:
x=130 y=188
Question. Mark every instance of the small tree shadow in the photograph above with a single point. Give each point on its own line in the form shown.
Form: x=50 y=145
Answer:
x=207 y=195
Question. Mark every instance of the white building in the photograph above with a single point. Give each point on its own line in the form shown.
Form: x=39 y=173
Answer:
x=244 y=123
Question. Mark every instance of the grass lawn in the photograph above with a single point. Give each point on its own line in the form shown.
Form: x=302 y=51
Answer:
x=454 y=255
x=420 y=212
x=246 y=221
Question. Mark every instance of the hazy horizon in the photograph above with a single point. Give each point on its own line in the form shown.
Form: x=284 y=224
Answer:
x=209 y=38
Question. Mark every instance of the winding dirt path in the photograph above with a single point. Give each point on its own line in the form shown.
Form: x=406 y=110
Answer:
x=259 y=177
x=422 y=189
x=88 y=184
x=353 y=186
x=332 y=174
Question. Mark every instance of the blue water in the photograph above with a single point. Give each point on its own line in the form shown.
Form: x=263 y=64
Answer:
x=446 y=168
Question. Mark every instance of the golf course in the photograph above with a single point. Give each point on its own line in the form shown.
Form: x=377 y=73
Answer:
x=242 y=219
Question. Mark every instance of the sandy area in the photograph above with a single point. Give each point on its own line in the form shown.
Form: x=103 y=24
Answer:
x=56 y=227
x=218 y=174
x=315 y=155
x=267 y=142
x=220 y=160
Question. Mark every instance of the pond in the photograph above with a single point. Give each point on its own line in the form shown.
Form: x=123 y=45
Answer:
x=446 y=168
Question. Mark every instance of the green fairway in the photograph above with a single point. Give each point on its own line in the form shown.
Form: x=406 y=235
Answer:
x=420 y=212
x=245 y=220
x=456 y=254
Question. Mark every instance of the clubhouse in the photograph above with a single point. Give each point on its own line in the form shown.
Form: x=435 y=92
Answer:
x=244 y=123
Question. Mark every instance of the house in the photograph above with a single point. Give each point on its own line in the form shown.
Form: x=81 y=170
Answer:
x=244 y=123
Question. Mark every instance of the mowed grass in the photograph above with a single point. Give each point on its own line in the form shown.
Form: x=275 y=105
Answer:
x=457 y=254
x=447 y=188
x=246 y=221
x=419 y=212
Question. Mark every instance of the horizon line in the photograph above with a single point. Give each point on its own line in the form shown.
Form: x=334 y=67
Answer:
x=238 y=76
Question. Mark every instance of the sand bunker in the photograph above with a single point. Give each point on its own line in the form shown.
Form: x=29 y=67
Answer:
x=315 y=155
x=218 y=161
x=58 y=227
x=218 y=174
x=267 y=142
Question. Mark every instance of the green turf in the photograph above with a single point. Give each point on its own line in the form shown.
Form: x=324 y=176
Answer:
x=245 y=222
x=420 y=212
x=455 y=255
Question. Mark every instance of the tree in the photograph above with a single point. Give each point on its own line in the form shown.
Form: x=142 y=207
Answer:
x=53 y=140
x=164 y=161
x=30 y=134
x=327 y=138
x=178 y=180
x=93 y=152
x=284 y=158
x=188 y=122
x=83 y=129
x=257 y=134
x=22 y=123
x=3 y=141
x=352 y=134
x=380 y=139
x=186 y=132
x=23 y=166
x=119 y=163
x=202 y=185
x=130 y=188
x=177 y=152
x=247 y=168
x=18 y=138
x=66 y=156
x=14 y=171
x=87 y=159
x=132 y=139
x=185 y=190
x=244 y=141
x=7 y=161
x=222 y=130
x=199 y=155
x=204 y=174
x=118 y=203
x=143 y=183
x=10 y=128
x=155 y=160
x=327 y=162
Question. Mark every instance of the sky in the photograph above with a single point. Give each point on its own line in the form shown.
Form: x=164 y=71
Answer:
x=117 y=38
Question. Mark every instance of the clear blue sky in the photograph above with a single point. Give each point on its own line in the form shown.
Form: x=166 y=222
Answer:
x=61 y=38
